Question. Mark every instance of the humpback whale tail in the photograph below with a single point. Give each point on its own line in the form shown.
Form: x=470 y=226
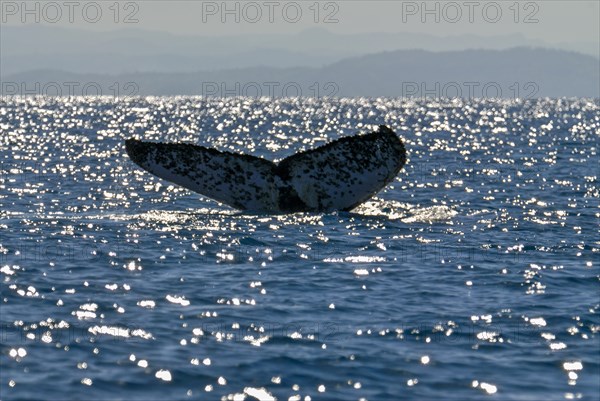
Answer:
x=337 y=176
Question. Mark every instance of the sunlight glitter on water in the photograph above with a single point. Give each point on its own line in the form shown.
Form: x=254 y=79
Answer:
x=482 y=250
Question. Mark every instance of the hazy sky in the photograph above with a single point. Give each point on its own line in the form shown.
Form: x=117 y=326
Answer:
x=551 y=21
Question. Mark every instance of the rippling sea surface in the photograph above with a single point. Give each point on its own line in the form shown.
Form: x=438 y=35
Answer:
x=474 y=275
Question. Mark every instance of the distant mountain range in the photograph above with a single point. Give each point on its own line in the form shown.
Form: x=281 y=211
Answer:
x=38 y=46
x=517 y=72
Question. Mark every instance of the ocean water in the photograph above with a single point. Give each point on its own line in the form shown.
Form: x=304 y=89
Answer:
x=475 y=275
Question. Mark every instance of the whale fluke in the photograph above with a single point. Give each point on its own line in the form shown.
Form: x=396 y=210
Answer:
x=337 y=176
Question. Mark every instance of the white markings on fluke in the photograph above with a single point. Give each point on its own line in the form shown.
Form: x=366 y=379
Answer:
x=337 y=176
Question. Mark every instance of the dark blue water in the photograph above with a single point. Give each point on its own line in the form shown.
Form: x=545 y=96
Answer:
x=474 y=275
